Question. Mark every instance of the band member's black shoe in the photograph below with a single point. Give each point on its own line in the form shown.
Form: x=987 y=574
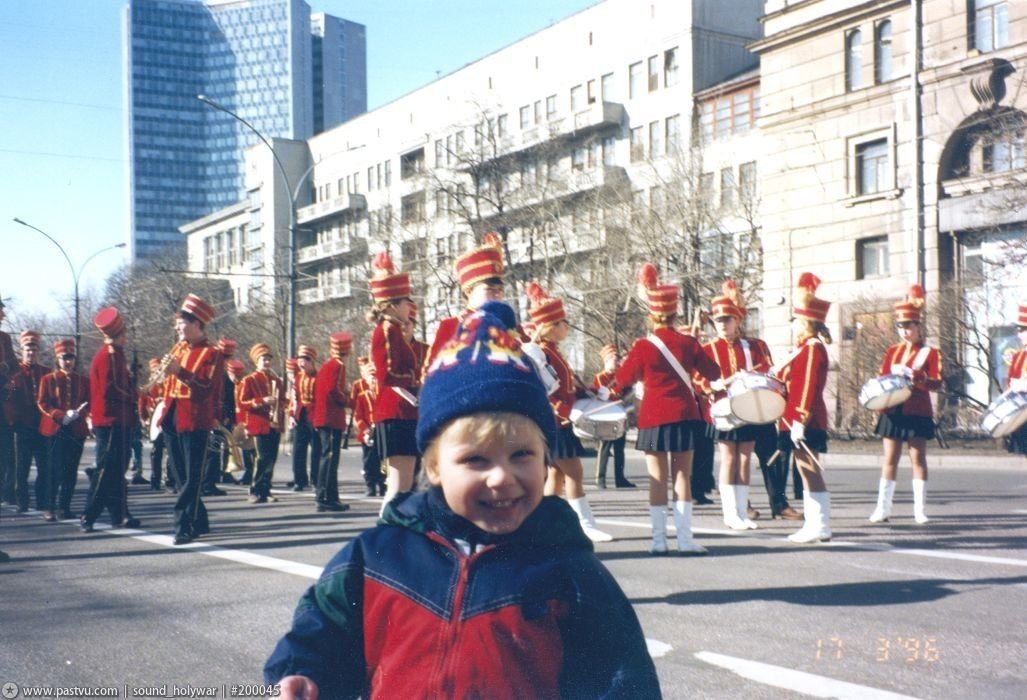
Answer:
x=332 y=507
x=183 y=538
x=625 y=484
x=86 y=527
x=130 y=522
x=140 y=480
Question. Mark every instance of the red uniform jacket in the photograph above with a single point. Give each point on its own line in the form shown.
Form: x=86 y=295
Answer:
x=113 y=396
x=240 y=410
x=21 y=408
x=805 y=378
x=394 y=365
x=446 y=331
x=666 y=399
x=925 y=379
x=148 y=401
x=60 y=392
x=330 y=395
x=1018 y=366
x=196 y=391
x=730 y=357
x=303 y=395
x=609 y=380
x=255 y=387
x=362 y=400
x=570 y=388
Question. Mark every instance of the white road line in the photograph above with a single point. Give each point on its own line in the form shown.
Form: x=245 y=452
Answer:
x=798 y=681
x=865 y=546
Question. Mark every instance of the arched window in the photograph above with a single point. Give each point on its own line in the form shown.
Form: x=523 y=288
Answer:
x=853 y=63
x=882 y=52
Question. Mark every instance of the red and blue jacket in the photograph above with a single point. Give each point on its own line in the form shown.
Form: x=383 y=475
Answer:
x=405 y=611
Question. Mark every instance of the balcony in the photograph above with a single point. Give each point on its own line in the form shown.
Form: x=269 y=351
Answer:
x=325 y=249
x=330 y=207
x=606 y=176
x=338 y=290
x=599 y=115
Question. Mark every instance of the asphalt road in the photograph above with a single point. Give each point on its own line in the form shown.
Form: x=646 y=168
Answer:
x=891 y=610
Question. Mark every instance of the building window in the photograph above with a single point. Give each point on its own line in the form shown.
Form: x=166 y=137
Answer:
x=670 y=67
x=853 y=62
x=872 y=166
x=727 y=187
x=655 y=139
x=440 y=153
x=872 y=257
x=654 y=73
x=673 y=134
x=591 y=91
x=637 y=144
x=501 y=127
x=747 y=182
x=578 y=156
x=525 y=113
x=411 y=164
x=742 y=117
x=607 y=89
x=538 y=111
x=609 y=150
x=388 y=170
x=706 y=187
x=634 y=80
x=882 y=52
x=412 y=208
x=577 y=99
x=706 y=122
x=550 y=107
x=722 y=117
x=990 y=24
x=1003 y=152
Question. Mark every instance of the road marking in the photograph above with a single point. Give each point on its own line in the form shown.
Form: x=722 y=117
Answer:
x=799 y=681
x=657 y=648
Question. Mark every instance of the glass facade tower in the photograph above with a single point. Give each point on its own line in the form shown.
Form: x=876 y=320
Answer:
x=287 y=72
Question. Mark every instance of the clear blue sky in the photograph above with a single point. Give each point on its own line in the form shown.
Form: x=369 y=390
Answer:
x=62 y=148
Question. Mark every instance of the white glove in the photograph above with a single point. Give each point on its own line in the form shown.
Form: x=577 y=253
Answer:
x=68 y=418
x=902 y=370
x=1018 y=385
x=603 y=393
x=798 y=433
x=774 y=370
x=718 y=385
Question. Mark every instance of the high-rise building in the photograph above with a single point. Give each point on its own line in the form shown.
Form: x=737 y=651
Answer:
x=286 y=71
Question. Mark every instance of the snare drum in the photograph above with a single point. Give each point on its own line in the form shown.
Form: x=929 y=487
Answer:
x=160 y=409
x=599 y=420
x=756 y=398
x=1006 y=414
x=723 y=419
x=884 y=392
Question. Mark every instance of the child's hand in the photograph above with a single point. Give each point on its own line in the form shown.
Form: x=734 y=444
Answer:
x=297 y=688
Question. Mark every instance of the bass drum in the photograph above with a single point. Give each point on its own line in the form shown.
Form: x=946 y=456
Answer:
x=599 y=420
x=723 y=419
x=757 y=398
x=160 y=409
x=884 y=392
x=1006 y=414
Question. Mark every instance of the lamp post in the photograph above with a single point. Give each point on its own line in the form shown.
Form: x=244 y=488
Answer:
x=290 y=349
x=76 y=274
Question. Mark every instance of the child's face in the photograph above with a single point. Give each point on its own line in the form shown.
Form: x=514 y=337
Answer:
x=496 y=483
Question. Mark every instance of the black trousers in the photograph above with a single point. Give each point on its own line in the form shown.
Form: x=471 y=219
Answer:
x=305 y=438
x=8 y=464
x=156 y=457
x=264 y=469
x=372 y=466
x=136 y=443
x=330 y=442
x=702 y=465
x=775 y=476
x=29 y=445
x=617 y=448
x=216 y=456
x=64 y=452
x=188 y=460
x=107 y=485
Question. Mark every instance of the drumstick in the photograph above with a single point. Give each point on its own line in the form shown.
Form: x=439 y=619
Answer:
x=803 y=445
x=774 y=457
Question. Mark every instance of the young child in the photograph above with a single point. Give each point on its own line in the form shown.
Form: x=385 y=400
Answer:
x=478 y=587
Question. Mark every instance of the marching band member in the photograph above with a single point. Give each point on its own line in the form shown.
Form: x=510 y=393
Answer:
x=701 y=481
x=147 y=405
x=263 y=398
x=217 y=450
x=804 y=423
x=23 y=413
x=603 y=384
x=236 y=371
x=362 y=402
x=397 y=376
x=192 y=392
x=735 y=353
x=329 y=419
x=552 y=328
x=8 y=366
x=1017 y=380
x=913 y=421
x=112 y=404
x=305 y=439
x=480 y=274
x=668 y=419
x=64 y=402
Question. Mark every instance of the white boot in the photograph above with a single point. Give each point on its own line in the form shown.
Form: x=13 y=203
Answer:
x=885 y=493
x=742 y=505
x=588 y=523
x=729 y=506
x=817 y=506
x=658 y=517
x=683 y=530
x=919 y=500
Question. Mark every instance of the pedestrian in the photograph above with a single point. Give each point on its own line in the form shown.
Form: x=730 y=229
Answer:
x=236 y=372
x=64 y=403
x=23 y=413
x=8 y=366
x=479 y=586
x=329 y=419
x=263 y=398
x=603 y=385
x=910 y=422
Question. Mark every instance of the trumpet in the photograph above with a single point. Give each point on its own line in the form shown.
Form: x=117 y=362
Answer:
x=159 y=374
x=275 y=399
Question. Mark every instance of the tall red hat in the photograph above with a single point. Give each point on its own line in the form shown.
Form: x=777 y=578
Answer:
x=64 y=347
x=662 y=299
x=806 y=304
x=341 y=343
x=306 y=351
x=235 y=368
x=227 y=346
x=259 y=350
x=29 y=339
x=482 y=263
x=911 y=308
x=1021 y=319
x=387 y=284
x=729 y=303
x=543 y=309
x=291 y=365
x=197 y=307
x=109 y=322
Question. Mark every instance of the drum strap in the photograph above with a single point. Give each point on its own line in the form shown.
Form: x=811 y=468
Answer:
x=795 y=353
x=748 y=354
x=921 y=357
x=665 y=351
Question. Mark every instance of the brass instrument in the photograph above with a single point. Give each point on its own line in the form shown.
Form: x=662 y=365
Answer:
x=236 y=464
x=274 y=419
x=159 y=374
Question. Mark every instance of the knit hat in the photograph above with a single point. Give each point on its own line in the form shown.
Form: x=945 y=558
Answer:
x=306 y=351
x=198 y=308
x=259 y=350
x=109 y=322
x=387 y=284
x=911 y=308
x=662 y=299
x=1021 y=319
x=340 y=343
x=227 y=346
x=543 y=309
x=482 y=369
x=29 y=339
x=481 y=264
x=64 y=347
x=729 y=303
x=806 y=304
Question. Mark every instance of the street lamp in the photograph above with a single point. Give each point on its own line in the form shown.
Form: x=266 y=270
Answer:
x=76 y=274
x=291 y=313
